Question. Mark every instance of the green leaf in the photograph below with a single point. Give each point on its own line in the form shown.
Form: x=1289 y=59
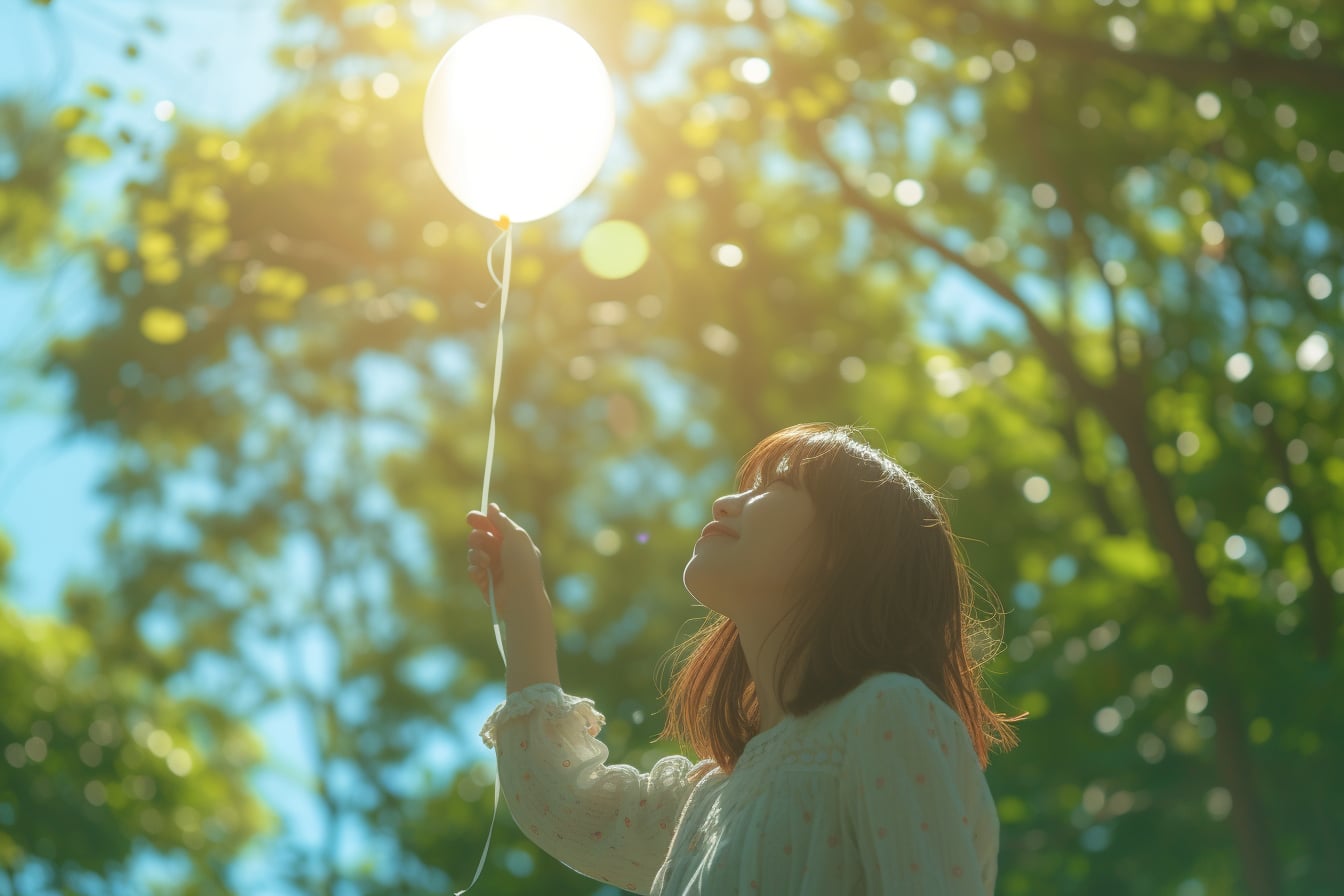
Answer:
x=1131 y=556
x=88 y=148
x=68 y=117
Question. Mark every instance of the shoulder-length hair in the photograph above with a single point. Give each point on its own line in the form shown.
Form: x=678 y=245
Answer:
x=882 y=588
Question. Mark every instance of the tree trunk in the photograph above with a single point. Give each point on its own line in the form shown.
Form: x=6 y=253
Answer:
x=1232 y=756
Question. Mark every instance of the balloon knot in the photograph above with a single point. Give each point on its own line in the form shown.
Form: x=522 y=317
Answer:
x=503 y=222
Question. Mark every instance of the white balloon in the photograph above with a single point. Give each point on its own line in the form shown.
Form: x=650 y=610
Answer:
x=519 y=116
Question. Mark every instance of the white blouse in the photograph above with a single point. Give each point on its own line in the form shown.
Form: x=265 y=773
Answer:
x=879 y=792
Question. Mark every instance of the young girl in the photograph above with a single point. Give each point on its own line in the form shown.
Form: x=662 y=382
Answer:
x=846 y=749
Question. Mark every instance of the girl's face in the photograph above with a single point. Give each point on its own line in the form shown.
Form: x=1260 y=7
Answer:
x=743 y=572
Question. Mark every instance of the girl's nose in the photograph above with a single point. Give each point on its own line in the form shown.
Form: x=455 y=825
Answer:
x=725 y=506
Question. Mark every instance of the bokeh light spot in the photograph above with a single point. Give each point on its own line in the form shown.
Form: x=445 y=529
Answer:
x=909 y=192
x=727 y=254
x=614 y=249
x=978 y=69
x=681 y=185
x=179 y=762
x=1277 y=499
x=923 y=49
x=1208 y=105
x=582 y=367
x=1036 y=489
x=163 y=325
x=1107 y=720
x=1314 y=353
x=902 y=91
x=424 y=311
x=528 y=270
x=607 y=542
x=95 y=793
x=160 y=742
x=1319 y=286
x=1122 y=31
x=852 y=369
x=719 y=340
x=738 y=10
x=701 y=133
x=1218 y=803
x=752 y=69
x=386 y=85
x=435 y=234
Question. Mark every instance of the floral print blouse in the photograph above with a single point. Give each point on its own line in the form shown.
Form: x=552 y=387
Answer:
x=879 y=792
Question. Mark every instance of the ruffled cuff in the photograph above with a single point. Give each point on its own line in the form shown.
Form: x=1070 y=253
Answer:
x=549 y=698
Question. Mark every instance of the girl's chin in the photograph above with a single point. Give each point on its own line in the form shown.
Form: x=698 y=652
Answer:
x=690 y=581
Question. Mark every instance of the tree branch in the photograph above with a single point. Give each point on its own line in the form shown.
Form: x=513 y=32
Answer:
x=1189 y=71
x=1052 y=346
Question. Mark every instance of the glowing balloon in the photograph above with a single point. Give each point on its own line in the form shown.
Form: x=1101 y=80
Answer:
x=519 y=116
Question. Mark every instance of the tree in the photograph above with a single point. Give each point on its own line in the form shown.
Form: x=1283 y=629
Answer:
x=1139 y=438
x=100 y=765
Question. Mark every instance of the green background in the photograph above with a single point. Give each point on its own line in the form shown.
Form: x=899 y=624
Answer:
x=1076 y=264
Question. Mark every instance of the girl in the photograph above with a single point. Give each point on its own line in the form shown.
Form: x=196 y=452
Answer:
x=846 y=750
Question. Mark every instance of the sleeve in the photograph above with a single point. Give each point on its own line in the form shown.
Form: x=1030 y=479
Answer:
x=922 y=811
x=611 y=823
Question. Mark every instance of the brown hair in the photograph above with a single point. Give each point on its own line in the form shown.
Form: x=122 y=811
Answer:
x=884 y=588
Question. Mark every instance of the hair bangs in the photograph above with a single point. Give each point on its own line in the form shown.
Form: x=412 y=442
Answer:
x=797 y=455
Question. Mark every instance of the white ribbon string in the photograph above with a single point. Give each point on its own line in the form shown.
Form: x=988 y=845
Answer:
x=507 y=237
x=500 y=630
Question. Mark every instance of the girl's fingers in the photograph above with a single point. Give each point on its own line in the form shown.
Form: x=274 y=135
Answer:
x=482 y=547
x=481 y=538
x=479 y=558
x=480 y=522
x=500 y=520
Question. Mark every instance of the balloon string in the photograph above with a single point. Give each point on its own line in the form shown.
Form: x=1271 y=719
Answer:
x=507 y=237
x=500 y=630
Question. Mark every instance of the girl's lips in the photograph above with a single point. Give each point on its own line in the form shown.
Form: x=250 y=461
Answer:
x=717 y=528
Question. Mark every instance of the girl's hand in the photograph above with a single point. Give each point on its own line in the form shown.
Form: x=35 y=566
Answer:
x=502 y=546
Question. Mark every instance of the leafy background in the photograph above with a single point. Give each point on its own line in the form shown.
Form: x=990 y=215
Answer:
x=1075 y=263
